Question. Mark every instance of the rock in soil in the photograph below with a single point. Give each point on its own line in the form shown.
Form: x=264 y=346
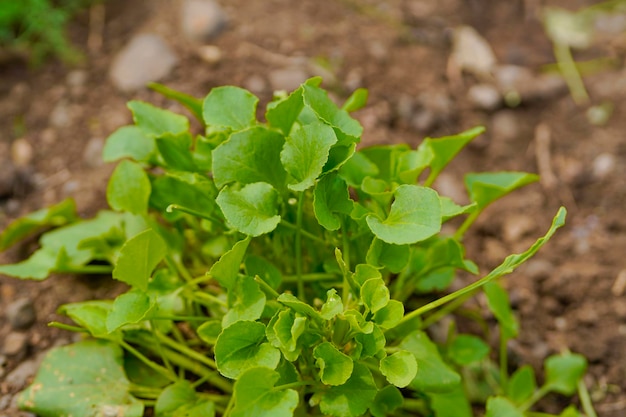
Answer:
x=145 y=58
x=471 y=52
x=484 y=97
x=14 y=343
x=21 y=314
x=202 y=20
x=287 y=79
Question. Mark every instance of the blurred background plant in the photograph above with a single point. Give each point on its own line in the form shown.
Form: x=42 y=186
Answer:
x=37 y=29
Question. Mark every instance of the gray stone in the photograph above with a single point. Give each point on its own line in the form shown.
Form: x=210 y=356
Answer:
x=21 y=152
x=60 y=116
x=92 y=155
x=202 y=20
x=256 y=84
x=18 y=377
x=21 y=314
x=504 y=126
x=471 y=52
x=287 y=79
x=520 y=84
x=603 y=166
x=484 y=97
x=14 y=343
x=144 y=59
x=210 y=54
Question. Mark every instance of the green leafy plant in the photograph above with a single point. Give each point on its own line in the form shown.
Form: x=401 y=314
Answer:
x=37 y=27
x=274 y=270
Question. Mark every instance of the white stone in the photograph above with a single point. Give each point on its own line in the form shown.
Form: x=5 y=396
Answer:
x=484 y=96
x=471 y=52
x=144 y=59
x=202 y=20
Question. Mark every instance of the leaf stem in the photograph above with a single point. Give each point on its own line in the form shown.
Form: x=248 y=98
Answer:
x=458 y=235
x=305 y=233
x=310 y=277
x=537 y=395
x=345 y=290
x=585 y=399
x=151 y=364
x=504 y=360
x=266 y=286
x=185 y=350
x=299 y=212
x=568 y=69
x=67 y=327
x=175 y=207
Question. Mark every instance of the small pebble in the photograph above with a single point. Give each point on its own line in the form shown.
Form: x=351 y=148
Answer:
x=471 y=52
x=484 y=97
x=21 y=152
x=287 y=79
x=603 y=165
x=560 y=323
x=517 y=226
x=92 y=155
x=145 y=58
x=504 y=126
x=537 y=269
x=202 y=20
x=18 y=377
x=14 y=343
x=76 y=78
x=60 y=116
x=210 y=54
x=255 y=84
x=21 y=314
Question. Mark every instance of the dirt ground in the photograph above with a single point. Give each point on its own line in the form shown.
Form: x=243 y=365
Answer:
x=570 y=296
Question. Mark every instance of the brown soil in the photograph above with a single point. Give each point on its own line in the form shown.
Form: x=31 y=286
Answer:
x=567 y=297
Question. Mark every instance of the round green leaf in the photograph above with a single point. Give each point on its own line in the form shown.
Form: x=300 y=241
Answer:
x=466 y=349
x=399 y=368
x=84 y=379
x=500 y=406
x=243 y=346
x=138 y=258
x=229 y=107
x=256 y=395
x=129 y=308
x=390 y=315
x=564 y=371
x=335 y=367
x=129 y=188
x=374 y=294
x=415 y=216
x=252 y=210
x=352 y=398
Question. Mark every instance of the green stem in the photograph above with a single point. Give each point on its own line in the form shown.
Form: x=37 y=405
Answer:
x=504 y=361
x=310 y=277
x=297 y=384
x=266 y=286
x=306 y=234
x=145 y=392
x=159 y=347
x=567 y=65
x=176 y=207
x=537 y=395
x=585 y=399
x=208 y=297
x=444 y=311
x=345 y=291
x=67 y=327
x=151 y=364
x=180 y=318
x=299 y=212
x=185 y=350
x=458 y=235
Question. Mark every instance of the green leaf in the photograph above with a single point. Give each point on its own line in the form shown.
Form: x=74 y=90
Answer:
x=284 y=330
x=399 y=368
x=356 y=101
x=570 y=411
x=92 y=315
x=446 y=148
x=184 y=189
x=129 y=308
x=370 y=344
x=387 y=159
x=128 y=142
x=209 y=331
x=180 y=400
x=412 y=163
x=521 y=385
x=325 y=109
x=138 y=258
x=176 y=151
x=415 y=216
x=129 y=188
x=332 y=306
x=226 y=270
x=53 y=216
x=331 y=199
x=352 y=398
x=246 y=301
x=485 y=188
x=392 y=257
x=387 y=399
x=466 y=349
x=449 y=209
x=374 y=294
x=563 y=372
x=249 y=156
x=154 y=121
x=242 y=346
x=252 y=210
x=500 y=407
x=229 y=108
x=305 y=153
x=84 y=379
x=194 y=105
x=498 y=302
x=335 y=367
x=433 y=374
x=452 y=404
x=357 y=168
x=256 y=395
x=390 y=315
x=298 y=306
x=268 y=272
x=283 y=114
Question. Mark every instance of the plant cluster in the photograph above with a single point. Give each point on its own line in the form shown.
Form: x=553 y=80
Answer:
x=274 y=270
x=37 y=27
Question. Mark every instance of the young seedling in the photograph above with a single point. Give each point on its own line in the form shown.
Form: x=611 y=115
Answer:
x=275 y=270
